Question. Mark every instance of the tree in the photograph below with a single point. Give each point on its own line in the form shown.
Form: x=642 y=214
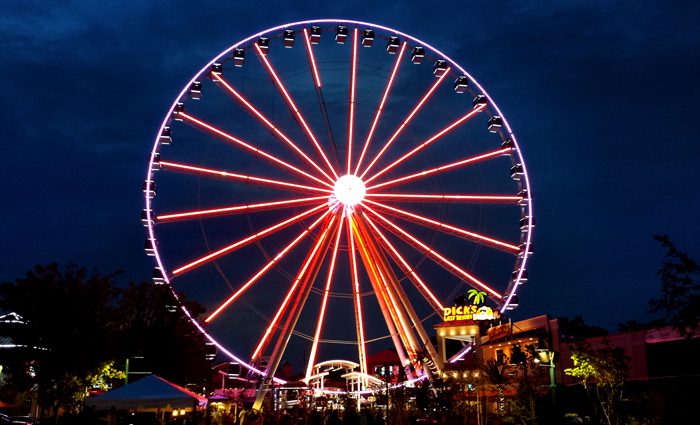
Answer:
x=680 y=278
x=67 y=315
x=84 y=328
x=576 y=329
x=529 y=379
x=602 y=373
x=152 y=327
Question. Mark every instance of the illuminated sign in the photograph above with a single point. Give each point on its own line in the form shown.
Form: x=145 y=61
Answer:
x=469 y=312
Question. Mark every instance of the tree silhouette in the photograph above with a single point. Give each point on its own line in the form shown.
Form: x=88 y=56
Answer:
x=680 y=278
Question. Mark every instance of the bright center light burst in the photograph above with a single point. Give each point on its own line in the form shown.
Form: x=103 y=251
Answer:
x=349 y=190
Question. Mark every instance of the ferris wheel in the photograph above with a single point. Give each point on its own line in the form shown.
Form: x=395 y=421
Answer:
x=333 y=184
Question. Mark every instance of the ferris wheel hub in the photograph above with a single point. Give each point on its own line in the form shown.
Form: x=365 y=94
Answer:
x=349 y=190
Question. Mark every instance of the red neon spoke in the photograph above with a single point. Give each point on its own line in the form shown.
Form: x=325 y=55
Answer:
x=440 y=169
x=310 y=51
x=405 y=122
x=352 y=97
x=356 y=293
x=240 y=209
x=408 y=270
x=381 y=106
x=294 y=108
x=248 y=240
x=465 y=199
x=456 y=270
x=300 y=276
x=446 y=228
x=269 y=124
x=255 y=151
x=266 y=268
x=224 y=175
x=322 y=313
x=429 y=141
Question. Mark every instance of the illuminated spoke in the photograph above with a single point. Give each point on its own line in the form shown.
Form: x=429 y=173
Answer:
x=283 y=306
x=408 y=270
x=312 y=60
x=241 y=178
x=241 y=209
x=271 y=127
x=266 y=268
x=322 y=313
x=351 y=107
x=405 y=122
x=248 y=240
x=446 y=228
x=249 y=148
x=440 y=169
x=294 y=108
x=381 y=106
x=462 y=199
x=356 y=296
x=429 y=141
x=439 y=259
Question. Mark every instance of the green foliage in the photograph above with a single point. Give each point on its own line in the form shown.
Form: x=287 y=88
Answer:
x=602 y=373
x=680 y=278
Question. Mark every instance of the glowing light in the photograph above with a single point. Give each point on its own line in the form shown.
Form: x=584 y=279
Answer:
x=427 y=142
x=317 y=78
x=433 y=254
x=300 y=275
x=444 y=198
x=381 y=106
x=349 y=190
x=444 y=227
x=405 y=122
x=271 y=126
x=295 y=109
x=351 y=118
x=240 y=209
x=247 y=240
x=439 y=169
x=266 y=268
x=238 y=177
x=251 y=148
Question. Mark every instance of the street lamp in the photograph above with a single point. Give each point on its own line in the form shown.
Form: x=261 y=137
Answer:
x=547 y=358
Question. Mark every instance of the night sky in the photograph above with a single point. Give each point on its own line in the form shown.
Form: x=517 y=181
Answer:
x=602 y=96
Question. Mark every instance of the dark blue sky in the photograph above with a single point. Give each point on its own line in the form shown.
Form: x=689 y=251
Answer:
x=603 y=98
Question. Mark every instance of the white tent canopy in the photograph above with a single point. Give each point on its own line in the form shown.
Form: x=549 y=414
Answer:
x=148 y=394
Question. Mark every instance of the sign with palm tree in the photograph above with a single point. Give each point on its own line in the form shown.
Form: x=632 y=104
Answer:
x=479 y=296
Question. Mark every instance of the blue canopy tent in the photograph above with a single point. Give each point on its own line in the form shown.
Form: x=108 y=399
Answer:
x=148 y=394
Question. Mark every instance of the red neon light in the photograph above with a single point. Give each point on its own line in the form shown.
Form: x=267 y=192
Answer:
x=300 y=275
x=294 y=108
x=247 y=179
x=438 y=225
x=405 y=122
x=247 y=240
x=317 y=78
x=431 y=252
x=429 y=141
x=266 y=268
x=356 y=291
x=397 y=312
x=443 y=198
x=242 y=208
x=441 y=168
x=271 y=126
x=322 y=313
x=381 y=106
x=251 y=148
x=408 y=269
x=352 y=97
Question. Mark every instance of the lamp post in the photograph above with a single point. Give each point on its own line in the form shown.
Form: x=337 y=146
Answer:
x=546 y=359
